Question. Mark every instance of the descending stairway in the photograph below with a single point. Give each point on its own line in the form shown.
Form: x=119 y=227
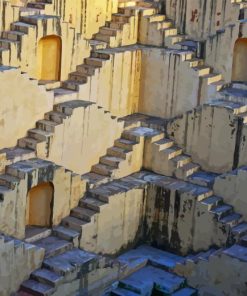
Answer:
x=38 y=139
x=11 y=41
x=124 y=158
x=112 y=35
x=153 y=281
x=98 y=198
x=62 y=263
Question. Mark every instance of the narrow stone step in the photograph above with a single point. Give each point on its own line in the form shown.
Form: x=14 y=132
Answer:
x=195 y=62
x=67 y=234
x=123 y=292
x=17 y=153
x=13 y=35
x=83 y=213
x=172 y=152
x=231 y=219
x=46 y=125
x=37 y=288
x=78 y=77
x=187 y=170
x=94 y=179
x=88 y=70
x=181 y=160
x=97 y=45
x=57 y=117
x=102 y=169
x=211 y=78
x=111 y=161
x=53 y=245
x=99 y=55
x=39 y=135
x=203 y=178
x=125 y=144
x=92 y=204
x=108 y=31
x=71 y=85
x=164 y=144
x=94 y=62
x=212 y=202
x=156 y=18
x=236 y=251
x=47 y=277
x=222 y=211
x=74 y=260
x=239 y=230
x=73 y=223
x=202 y=70
x=22 y=27
x=9 y=181
x=118 y=152
x=28 y=142
x=143 y=281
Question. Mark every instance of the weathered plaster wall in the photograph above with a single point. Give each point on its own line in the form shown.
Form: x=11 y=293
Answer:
x=116 y=85
x=118 y=225
x=83 y=138
x=221 y=275
x=209 y=135
x=168 y=85
x=232 y=187
x=219 y=50
x=22 y=102
x=18 y=260
x=199 y=19
x=68 y=189
x=79 y=21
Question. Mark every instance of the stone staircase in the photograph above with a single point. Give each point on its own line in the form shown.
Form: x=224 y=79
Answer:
x=151 y=280
x=25 y=258
x=97 y=200
x=124 y=158
x=159 y=31
x=35 y=14
x=113 y=35
x=61 y=264
x=164 y=157
x=140 y=269
x=144 y=256
x=116 y=33
x=38 y=139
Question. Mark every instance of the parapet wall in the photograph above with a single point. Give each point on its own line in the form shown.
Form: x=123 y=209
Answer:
x=201 y=19
x=18 y=260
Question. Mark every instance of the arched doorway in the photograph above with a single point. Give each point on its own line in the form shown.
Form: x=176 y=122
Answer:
x=39 y=205
x=49 y=58
x=239 y=67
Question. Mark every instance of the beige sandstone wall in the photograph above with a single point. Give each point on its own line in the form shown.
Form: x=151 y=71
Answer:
x=116 y=85
x=118 y=225
x=18 y=260
x=83 y=138
x=22 y=102
x=208 y=134
x=222 y=275
x=79 y=21
x=232 y=187
x=68 y=189
x=200 y=19
x=168 y=85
